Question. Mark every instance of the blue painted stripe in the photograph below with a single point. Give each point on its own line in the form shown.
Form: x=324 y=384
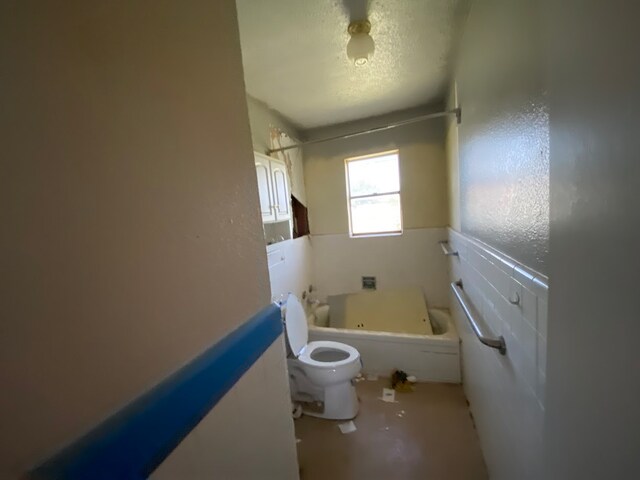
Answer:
x=135 y=440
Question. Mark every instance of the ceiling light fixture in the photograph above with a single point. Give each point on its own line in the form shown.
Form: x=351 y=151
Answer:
x=361 y=46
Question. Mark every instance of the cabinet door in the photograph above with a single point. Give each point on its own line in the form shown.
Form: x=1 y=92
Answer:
x=280 y=191
x=265 y=191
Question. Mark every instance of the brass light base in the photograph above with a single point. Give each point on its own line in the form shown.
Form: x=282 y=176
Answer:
x=361 y=26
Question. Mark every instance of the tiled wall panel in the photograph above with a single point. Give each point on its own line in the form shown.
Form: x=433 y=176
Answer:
x=506 y=392
x=398 y=261
x=289 y=267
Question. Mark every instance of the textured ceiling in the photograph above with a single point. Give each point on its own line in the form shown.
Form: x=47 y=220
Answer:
x=294 y=55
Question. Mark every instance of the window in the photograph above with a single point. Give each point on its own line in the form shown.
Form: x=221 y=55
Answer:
x=373 y=194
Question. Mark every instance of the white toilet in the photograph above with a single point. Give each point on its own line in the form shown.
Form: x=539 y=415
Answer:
x=320 y=371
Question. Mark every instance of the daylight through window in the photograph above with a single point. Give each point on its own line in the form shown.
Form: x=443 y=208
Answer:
x=373 y=191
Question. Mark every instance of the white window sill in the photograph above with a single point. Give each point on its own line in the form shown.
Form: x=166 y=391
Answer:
x=370 y=235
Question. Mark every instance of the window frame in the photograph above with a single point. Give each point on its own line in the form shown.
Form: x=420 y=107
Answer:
x=349 y=160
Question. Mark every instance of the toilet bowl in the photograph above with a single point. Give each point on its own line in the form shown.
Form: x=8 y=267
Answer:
x=320 y=371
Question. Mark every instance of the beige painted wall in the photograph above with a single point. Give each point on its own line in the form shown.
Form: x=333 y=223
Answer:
x=501 y=167
x=504 y=135
x=130 y=238
x=261 y=119
x=422 y=172
x=453 y=161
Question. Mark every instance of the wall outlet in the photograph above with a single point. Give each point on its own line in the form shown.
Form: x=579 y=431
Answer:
x=368 y=283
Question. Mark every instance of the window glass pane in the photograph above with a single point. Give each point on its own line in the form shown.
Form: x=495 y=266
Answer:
x=376 y=214
x=374 y=175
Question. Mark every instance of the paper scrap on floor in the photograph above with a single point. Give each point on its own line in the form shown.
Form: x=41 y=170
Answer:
x=372 y=377
x=388 y=395
x=347 y=427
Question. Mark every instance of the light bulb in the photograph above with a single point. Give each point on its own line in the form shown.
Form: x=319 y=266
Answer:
x=360 y=48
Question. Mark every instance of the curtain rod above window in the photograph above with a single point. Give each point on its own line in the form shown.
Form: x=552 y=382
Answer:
x=456 y=111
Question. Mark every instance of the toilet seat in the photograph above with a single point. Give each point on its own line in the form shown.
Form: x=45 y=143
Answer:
x=306 y=353
x=298 y=335
x=296 y=328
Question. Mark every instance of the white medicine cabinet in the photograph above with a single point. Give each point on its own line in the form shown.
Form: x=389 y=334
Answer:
x=273 y=188
x=275 y=197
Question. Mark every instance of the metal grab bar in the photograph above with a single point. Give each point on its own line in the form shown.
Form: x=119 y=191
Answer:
x=472 y=316
x=447 y=250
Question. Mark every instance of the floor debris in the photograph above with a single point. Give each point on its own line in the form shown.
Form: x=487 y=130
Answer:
x=400 y=414
x=347 y=427
x=298 y=440
x=400 y=381
x=388 y=395
x=372 y=377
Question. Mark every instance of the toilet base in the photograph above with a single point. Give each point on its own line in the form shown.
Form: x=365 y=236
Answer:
x=340 y=403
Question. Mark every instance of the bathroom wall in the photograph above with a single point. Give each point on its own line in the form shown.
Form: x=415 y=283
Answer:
x=498 y=167
x=289 y=261
x=266 y=124
x=262 y=119
x=411 y=259
x=339 y=261
x=453 y=161
x=290 y=267
x=503 y=139
x=130 y=238
x=422 y=171
x=506 y=392
x=593 y=387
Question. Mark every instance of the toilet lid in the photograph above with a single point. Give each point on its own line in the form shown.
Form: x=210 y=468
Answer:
x=296 y=325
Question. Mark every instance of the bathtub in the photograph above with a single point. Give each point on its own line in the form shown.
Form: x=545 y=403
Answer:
x=392 y=329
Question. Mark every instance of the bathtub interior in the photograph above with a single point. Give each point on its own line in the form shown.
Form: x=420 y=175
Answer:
x=442 y=326
x=320 y=315
x=392 y=312
x=440 y=321
x=396 y=311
